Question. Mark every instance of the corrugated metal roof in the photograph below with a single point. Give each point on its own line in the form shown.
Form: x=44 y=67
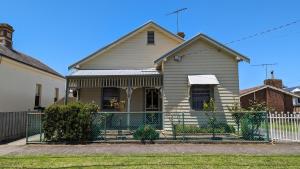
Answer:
x=127 y=72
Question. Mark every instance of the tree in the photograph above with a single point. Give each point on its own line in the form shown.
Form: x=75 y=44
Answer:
x=210 y=109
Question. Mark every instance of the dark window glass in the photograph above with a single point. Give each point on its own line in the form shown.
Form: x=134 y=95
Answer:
x=37 y=100
x=109 y=95
x=298 y=100
x=152 y=99
x=150 y=37
x=199 y=95
x=56 y=93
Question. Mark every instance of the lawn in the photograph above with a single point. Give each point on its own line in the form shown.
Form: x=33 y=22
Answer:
x=151 y=161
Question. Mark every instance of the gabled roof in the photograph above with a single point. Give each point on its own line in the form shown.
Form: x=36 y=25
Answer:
x=27 y=60
x=258 y=88
x=144 y=26
x=208 y=39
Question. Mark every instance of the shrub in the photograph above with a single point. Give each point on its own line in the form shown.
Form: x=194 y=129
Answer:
x=250 y=125
x=71 y=123
x=193 y=129
x=146 y=132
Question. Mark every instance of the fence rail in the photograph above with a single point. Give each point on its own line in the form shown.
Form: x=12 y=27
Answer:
x=12 y=125
x=284 y=127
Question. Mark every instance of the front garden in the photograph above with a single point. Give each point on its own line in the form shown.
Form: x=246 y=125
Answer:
x=83 y=123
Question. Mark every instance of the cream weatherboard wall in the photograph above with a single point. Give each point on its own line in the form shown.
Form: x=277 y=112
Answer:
x=199 y=58
x=133 y=53
x=18 y=85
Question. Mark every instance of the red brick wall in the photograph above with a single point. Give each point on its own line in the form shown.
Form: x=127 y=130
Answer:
x=274 y=99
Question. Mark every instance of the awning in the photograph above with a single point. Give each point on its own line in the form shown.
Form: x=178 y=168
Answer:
x=203 y=80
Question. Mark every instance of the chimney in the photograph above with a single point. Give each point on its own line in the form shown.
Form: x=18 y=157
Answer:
x=274 y=82
x=181 y=34
x=6 y=35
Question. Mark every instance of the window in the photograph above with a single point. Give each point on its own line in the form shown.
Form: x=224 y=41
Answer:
x=152 y=100
x=108 y=96
x=298 y=100
x=38 y=91
x=150 y=38
x=199 y=94
x=56 y=94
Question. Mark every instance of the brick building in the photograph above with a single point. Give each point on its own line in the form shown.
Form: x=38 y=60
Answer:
x=271 y=93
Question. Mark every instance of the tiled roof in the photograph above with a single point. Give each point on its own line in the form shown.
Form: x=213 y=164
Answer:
x=257 y=88
x=250 y=89
x=126 y=72
x=27 y=60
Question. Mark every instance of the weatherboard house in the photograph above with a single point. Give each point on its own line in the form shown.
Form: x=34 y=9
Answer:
x=151 y=69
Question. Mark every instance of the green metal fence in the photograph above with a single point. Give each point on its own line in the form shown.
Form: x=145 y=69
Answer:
x=121 y=126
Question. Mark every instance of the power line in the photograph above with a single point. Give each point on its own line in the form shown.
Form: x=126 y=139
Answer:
x=264 y=32
x=254 y=35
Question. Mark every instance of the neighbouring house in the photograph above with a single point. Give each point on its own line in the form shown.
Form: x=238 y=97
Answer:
x=296 y=100
x=151 y=69
x=271 y=93
x=26 y=83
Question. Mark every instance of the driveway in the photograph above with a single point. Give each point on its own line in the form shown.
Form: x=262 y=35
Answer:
x=257 y=149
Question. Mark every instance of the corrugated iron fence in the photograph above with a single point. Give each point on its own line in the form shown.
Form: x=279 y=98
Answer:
x=12 y=125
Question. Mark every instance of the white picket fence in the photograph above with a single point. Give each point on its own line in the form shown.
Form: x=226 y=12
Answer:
x=284 y=127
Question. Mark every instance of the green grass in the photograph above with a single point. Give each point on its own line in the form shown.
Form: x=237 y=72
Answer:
x=151 y=161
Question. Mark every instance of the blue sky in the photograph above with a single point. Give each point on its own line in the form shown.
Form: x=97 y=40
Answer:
x=60 y=32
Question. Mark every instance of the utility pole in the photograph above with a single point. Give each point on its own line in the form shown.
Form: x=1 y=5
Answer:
x=177 y=14
x=266 y=65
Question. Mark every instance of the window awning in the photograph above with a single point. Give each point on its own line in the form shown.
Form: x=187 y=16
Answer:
x=203 y=80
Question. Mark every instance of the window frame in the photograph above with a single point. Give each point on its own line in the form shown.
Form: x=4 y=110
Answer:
x=151 y=43
x=118 y=96
x=38 y=93
x=56 y=94
x=210 y=89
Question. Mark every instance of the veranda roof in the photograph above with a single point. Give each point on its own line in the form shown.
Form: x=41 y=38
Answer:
x=203 y=80
x=127 y=72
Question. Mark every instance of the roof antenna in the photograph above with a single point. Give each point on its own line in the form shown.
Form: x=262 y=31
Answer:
x=266 y=65
x=177 y=14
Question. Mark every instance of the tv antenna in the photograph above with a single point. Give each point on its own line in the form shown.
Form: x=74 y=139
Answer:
x=266 y=65
x=177 y=14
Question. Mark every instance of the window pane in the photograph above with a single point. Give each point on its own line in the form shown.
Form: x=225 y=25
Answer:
x=110 y=94
x=199 y=95
x=150 y=37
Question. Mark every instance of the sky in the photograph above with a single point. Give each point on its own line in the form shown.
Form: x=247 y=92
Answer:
x=61 y=32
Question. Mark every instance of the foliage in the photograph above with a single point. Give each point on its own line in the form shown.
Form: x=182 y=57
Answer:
x=146 y=132
x=193 y=129
x=69 y=123
x=250 y=125
x=210 y=108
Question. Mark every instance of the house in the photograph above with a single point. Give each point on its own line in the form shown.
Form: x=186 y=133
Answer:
x=26 y=83
x=271 y=93
x=296 y=100
x=152 y=69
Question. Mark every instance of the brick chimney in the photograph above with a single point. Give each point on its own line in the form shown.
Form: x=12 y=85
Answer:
x=6 y=35
x=181 y=34
x=274 y=82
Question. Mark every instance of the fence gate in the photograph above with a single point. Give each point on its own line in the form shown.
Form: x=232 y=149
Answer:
x=284 y=127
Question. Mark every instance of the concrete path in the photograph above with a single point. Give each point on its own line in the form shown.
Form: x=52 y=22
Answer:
x=257 y=149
